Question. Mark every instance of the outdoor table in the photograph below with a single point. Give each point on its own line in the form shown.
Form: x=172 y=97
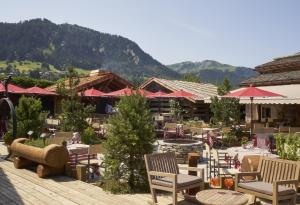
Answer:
x=240 y=152
x=221 y=197
x=78 y=149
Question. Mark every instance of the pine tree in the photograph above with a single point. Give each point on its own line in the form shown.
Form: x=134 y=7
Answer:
x=30 y=116
x=225 y=87
x=130 y=136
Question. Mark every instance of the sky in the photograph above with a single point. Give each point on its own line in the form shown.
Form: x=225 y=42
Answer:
x=237 y=32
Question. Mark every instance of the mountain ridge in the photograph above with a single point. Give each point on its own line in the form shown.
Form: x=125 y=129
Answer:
x=64 y=45
x=213 y=71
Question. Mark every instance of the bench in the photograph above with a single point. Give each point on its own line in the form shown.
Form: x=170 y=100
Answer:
x=275 y=180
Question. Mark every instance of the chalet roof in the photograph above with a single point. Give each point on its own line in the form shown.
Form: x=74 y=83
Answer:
x=200 y=90
x=281 y=64
x=87 y=82
x=289 y=77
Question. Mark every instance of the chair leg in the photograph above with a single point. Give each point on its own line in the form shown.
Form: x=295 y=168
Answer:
x=293 y=200
x=174 y=198
x=154 y=197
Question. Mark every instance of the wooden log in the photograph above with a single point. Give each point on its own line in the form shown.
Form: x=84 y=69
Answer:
x=21 y=163
x=45 y=171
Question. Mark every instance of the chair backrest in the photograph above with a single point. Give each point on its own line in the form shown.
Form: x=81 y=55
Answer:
x=56 y=140
x=250 y=163
x=272 y=169
x=196 y=130
x=215 y=155
x=52 y=122
x=95 y=149
x=258 y=125
x=294 y=129
x=263 y=130
x=66 y=135
x=170 y=125
x=162 y=162
x=284 y=129
x=226 y=129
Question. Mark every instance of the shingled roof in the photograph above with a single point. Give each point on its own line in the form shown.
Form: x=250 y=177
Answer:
x=100 y=80
x=281 y=64
x=200 y=90
x=290 y=77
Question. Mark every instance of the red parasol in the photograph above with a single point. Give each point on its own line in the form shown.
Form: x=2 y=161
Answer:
x=158 y=94
x=126 y=92
x=39 y=91
x=12 y=89
x=252 y=92
x=180 y=94
x=92 y=93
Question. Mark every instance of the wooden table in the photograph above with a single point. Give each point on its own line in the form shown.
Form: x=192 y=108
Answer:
x=221 y=197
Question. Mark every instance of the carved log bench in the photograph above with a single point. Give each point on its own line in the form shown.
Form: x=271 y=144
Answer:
x=50 y=160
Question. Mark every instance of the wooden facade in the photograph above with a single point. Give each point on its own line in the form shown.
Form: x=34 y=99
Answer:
x=101 y=80
x=193 y=107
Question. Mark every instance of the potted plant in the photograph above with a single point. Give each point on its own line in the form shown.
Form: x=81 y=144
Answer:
x=244 y=142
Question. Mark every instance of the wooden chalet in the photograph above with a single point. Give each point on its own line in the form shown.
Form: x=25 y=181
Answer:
x=194 y=106
x=103 y=81
x=282 y=76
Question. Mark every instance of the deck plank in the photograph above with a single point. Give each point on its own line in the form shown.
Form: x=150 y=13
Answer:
x=21 y=186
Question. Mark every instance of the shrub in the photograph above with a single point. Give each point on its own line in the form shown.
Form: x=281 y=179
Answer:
x=129 y=137
x=230 y=140
x=89 y=137
x=37 y=143
x=30 y=116
x=8 y=137
x=288 y=146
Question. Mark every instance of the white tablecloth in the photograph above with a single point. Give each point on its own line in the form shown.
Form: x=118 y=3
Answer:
x=240 y=152
x=78 y=148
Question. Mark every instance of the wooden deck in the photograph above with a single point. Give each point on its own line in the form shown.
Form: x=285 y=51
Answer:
x=21 y=186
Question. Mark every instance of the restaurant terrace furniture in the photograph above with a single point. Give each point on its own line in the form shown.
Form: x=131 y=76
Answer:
x=91 y=161
x=163 y=174
x=51 y=159
x=170 y=130
x=276 y=180
x=293 y=130
x=250 y=164
x=221 y=197
x=222 y=166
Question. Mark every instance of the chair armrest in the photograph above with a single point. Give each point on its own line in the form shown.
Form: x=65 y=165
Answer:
x=195 y=169
x=286 y=182
x=162 y=174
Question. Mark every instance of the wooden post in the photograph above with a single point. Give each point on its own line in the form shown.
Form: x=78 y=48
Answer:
x=193 y=162
x=81 y=172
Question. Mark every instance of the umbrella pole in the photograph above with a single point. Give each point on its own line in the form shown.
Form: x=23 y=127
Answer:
x=251 y=124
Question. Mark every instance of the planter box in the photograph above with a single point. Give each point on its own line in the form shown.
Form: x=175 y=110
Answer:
x=50 y=160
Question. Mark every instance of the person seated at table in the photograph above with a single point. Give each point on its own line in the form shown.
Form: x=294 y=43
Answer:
x=109 y=109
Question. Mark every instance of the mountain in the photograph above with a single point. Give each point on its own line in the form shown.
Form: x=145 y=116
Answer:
x=64 y=45
x=214 y=72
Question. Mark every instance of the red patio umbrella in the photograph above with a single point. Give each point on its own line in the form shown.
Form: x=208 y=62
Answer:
x=12 y=89
x=92 y=93
x=180 y=94
x=126 y=92
x=158 y=94
x=252 y=92
x=39 y=91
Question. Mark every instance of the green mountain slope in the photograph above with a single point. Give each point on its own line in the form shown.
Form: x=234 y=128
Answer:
x=65 y=45
x=214 y=72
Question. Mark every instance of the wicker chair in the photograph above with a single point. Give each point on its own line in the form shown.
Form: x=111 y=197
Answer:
x=163 y=174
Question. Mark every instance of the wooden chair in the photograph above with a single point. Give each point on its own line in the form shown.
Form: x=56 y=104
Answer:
x=222 y=166
x=90 y=160
x=276 y=180
x=170 y=130
x=293 y=130
x=163 y=174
